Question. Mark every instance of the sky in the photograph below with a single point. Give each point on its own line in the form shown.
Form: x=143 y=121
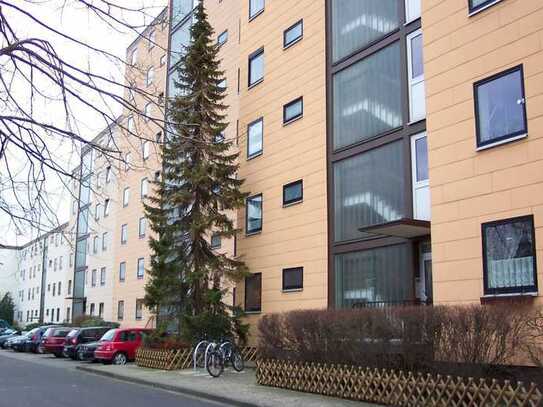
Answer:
x=70 y=17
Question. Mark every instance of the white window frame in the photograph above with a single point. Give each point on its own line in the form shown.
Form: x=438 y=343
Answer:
x=418 y=185
x=144 y=187
x=413 y=81
x=150 y=76
x=145 y=150
x=126 y=196
x=413 y=9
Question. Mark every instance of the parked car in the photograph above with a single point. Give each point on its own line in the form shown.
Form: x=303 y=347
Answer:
x=7 y=334
x=80 y=336
x=33 y=342
x=118 y=346
x=19 y=344
x=53 y=340
x=85 y=351
x=9 y=341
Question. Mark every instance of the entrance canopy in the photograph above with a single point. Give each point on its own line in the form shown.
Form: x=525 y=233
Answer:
x=406 y=228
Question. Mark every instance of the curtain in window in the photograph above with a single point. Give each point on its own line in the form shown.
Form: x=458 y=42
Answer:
x=356 y=23
x=368 y=98
x=381 y=275
x=368 y=190
x=509 y=251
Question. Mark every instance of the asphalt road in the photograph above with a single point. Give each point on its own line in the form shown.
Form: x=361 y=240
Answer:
x=28 y=380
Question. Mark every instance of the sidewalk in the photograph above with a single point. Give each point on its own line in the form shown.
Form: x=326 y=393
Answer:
x=239 y=389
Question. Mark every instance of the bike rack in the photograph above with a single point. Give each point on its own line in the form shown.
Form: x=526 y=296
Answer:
x=211 y=344
x=194 y=361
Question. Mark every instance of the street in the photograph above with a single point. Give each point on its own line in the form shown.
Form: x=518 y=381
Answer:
x=42 y=380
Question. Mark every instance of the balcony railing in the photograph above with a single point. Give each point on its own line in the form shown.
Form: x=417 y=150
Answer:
x=388 y=304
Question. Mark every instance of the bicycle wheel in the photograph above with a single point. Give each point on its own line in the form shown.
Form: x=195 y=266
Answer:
x=237 y=361
x=215 y=363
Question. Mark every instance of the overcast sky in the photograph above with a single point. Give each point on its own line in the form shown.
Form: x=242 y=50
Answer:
x=76 y=21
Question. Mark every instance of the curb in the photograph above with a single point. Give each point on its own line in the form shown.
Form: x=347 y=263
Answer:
x=174 y=389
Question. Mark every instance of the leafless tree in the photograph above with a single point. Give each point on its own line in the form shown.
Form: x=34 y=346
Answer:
x=43 y=92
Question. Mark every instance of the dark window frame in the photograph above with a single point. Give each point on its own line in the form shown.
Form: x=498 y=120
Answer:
x=292 y=288
x=225 y=34
x=252 y=56
x=483 y=6
x=255 y=231
x=255 y=15
x=286 y=44
x=289 y=104
x=508 y=137
x=253 y=309
x=508 y=290
x=261 y=151
x=293 y=201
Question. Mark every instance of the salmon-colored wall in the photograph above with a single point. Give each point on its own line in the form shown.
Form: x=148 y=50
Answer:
x=469 y=187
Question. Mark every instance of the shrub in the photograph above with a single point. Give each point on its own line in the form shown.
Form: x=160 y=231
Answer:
x=84 y=321
x=160 y=339
x=417 y=338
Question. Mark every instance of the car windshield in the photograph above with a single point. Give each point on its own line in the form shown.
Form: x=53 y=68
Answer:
x=61 y=332
x=73 y=333
x=32 y=332
x=48 y=332
x=109 y=335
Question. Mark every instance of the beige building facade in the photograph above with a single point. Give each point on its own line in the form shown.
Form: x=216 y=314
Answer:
x=483 y=62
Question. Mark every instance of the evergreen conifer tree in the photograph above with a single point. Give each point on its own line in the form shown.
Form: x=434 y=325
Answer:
x=195 y=197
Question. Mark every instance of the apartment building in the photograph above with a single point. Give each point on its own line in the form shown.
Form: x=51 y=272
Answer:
x=57 y=275
x=147 y=57
x=484 y=74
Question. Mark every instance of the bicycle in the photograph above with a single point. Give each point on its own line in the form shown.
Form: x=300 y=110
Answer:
x=217 y=356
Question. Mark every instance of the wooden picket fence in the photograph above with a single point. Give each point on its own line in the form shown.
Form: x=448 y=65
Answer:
x=394 y=388
x=164 y=359
x=177 y=358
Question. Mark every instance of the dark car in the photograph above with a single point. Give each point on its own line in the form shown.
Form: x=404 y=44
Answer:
x=8 y=334
x=85 y=351
x=33 y=342
x=53 y=340
x=81 y=336
x=19 y=344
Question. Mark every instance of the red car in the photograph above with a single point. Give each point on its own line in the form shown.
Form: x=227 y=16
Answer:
x=53 y=341
x=118 y=346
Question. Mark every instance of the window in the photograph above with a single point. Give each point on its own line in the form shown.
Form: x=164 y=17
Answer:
x=180 y=39
x=145 y=150
x=415 y=68
x=104 y=241
x=479 y=5
x=256 y=67
x=253 y=217
x=93 y=278
x=152 y=40
x=108 y=175
x=293 y=192
x=127 y=161
x=255 y=8
x=95 y=243
x=103 y=276
x=368 y=190
x=147 y=110
x=120 y=310
x=130 y=124
x=421 y=185
x=163 y=60
x=58 y=314
x=139 y=309
x=141 y=228
x=126 y=196
x=60 y=262
x=373 y=276
x=141 y=268
x=412 y=10
x=255 y=132
x=122 y=271
x=69 y=287
x=293 y=278
x=106 y=207
x=92 y=309
x=134 y=57
x=150 y=77
x=215 y=241
x=101 y=310
x=509 y=260
x=357 y=24
x=365 y=107
x=59 y=292
x=97 y=211
x=222 y=38
x=293 y=110
x=144 y=188
x=253 y=293
x=293 y=34
x=98 y=180
x=222 y=85
x=124 y=233
x=500 y=109
x=180 y=8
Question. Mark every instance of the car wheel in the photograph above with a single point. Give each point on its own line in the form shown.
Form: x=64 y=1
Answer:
x=119 y=359
x=58 y=355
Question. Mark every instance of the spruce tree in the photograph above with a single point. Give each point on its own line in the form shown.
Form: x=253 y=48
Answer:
x=197 y=190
